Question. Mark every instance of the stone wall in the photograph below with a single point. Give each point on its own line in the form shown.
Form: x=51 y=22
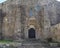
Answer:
x=16 y=13
x=55 y=30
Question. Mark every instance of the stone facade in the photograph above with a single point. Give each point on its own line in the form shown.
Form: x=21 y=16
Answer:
x=56 y=31
x=18 y=19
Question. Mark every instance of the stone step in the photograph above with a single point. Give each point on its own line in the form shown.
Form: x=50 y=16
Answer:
x=34 y=42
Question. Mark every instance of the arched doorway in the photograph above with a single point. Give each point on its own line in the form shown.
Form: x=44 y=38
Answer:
x=31 y=33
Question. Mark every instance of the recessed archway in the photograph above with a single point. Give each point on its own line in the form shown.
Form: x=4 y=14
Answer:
x=31 y=33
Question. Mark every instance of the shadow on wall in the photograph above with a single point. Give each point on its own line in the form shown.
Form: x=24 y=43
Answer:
x=2 y=15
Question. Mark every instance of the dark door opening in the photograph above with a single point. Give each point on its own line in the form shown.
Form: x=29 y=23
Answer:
x=31 y=33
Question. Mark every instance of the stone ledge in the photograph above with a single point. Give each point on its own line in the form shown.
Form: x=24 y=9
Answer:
x=34 y=45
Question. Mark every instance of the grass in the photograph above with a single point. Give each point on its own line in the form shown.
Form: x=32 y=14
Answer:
x=6 y=41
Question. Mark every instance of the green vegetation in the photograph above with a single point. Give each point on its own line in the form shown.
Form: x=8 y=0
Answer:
x=6 y=41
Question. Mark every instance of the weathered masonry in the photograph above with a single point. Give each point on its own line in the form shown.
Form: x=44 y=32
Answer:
x=27 y=19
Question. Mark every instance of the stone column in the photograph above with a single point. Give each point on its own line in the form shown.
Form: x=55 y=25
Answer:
x=2 y=15
x=1 y=20
x=17 y=30
x=46 y=23
x=19 y=23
